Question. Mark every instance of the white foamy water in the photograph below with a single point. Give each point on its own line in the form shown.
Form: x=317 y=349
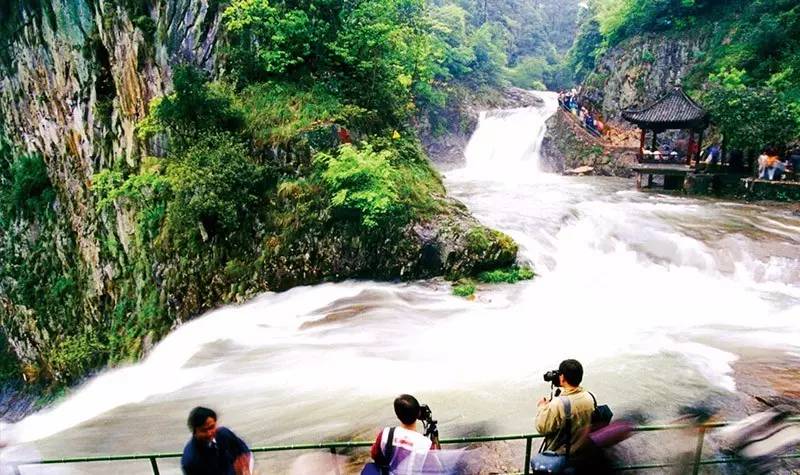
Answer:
x=657 y=295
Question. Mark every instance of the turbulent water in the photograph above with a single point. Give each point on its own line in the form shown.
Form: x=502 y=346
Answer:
x=657 y=295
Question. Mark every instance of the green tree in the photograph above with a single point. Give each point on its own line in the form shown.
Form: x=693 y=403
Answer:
x=750 y=117
x=268 y=39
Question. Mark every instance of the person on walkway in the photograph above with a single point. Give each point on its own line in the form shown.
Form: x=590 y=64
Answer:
x=550 y=415
x=214 y=450
x=714 y=153
x=770 y=166
x=763 y=164
x=409 y=449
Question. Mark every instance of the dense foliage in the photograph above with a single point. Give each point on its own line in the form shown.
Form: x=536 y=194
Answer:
x=302 y=141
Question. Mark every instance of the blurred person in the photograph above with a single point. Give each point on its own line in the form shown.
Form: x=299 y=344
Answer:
x=214 y=450
x=794 y=160
x=757 y=440
x=770 y=166
x=763 y=163
x=714 y=154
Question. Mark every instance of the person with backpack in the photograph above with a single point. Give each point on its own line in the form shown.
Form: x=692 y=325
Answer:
x=400 y=450
x=565 y=421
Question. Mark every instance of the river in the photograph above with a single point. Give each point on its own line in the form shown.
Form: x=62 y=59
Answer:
x=657 y=295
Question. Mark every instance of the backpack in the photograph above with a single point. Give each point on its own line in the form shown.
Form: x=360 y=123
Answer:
x=374 y=468
x=601 y=416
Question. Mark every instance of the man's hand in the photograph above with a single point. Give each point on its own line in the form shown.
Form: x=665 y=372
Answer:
x=542 y=402
x=241 y=466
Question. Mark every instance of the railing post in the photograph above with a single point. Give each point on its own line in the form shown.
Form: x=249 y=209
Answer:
x=528 y=445
x=699 y=451
x=335 y=462
x=154 y=466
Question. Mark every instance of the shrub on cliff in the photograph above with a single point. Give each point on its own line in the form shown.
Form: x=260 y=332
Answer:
x=24 y=186
x=195 y=108
x=216 y=190
x=362 y=185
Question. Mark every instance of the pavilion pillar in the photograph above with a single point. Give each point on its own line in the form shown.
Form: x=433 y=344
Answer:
x=700 y=146
x=690 y=151
x=654 y=145
x=641 y=144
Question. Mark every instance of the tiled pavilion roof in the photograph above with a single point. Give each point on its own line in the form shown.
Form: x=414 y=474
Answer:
x=674 y=110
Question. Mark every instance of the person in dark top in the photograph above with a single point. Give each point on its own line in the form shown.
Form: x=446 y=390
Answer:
x=213 y=450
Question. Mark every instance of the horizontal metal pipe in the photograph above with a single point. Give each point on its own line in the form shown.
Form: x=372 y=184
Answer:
x=362 y=443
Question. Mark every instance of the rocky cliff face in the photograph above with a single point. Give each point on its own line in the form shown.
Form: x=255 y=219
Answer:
x=79 y=77
x=76 y=78
x=84 y=284
x=641 y=69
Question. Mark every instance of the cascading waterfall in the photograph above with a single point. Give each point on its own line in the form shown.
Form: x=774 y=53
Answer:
x=507 y=143
x=659 y=296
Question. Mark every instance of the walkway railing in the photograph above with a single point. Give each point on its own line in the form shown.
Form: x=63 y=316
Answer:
x=596 y=133
x=332 y=447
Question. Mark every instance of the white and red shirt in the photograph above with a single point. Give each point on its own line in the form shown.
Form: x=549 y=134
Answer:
x=410 y=450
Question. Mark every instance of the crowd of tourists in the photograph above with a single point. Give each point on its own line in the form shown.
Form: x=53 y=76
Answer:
x=577 y=433
x=571 y=102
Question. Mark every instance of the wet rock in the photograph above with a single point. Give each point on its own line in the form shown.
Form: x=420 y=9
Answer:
x=584 y=170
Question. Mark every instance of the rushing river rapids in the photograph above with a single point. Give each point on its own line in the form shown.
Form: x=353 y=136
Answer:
x=657 y=295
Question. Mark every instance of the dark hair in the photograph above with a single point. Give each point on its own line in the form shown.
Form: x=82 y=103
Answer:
x=572 y=371
x=199 y=416
x=406 y=407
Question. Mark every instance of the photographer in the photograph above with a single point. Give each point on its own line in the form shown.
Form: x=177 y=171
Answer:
x=550 y=415
x=407 y=451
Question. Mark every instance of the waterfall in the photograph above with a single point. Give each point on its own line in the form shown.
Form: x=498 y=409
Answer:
x=507 y=143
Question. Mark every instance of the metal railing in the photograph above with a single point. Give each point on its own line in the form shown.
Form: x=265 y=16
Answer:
x=591 y=129
x=696 y=463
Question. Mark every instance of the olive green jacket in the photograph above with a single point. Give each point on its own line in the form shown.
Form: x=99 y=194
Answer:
x=550 y=419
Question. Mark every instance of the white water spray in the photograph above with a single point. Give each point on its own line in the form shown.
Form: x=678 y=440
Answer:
x=507 y=143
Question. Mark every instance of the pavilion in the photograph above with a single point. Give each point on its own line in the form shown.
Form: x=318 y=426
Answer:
x=673 y=111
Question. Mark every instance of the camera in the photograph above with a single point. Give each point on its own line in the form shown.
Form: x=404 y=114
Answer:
x=552 y=377
x=425 y=414
x=430 y=424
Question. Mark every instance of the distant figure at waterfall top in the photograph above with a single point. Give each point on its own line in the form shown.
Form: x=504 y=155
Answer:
x=214 y=450
x=401 y=450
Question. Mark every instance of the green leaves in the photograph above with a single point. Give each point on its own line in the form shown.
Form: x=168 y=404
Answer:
x=216 y=190
x=750 y=117
x=29 y=188
x=280 y=38
x=195 y=108
x=362 y=184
